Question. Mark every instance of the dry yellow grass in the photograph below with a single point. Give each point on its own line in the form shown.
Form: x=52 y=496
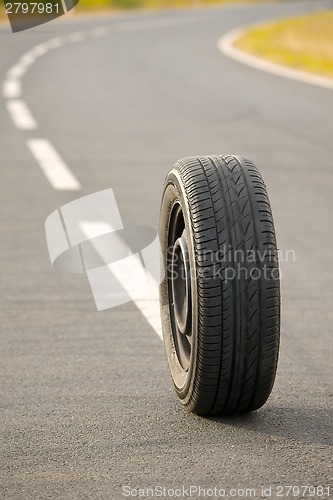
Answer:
x=304 y=43
x=92 y=5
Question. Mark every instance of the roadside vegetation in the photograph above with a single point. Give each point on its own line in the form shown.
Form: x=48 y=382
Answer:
x=304 y=43
x=85 y=5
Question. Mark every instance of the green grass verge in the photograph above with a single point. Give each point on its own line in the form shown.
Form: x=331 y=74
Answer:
x=304 y=43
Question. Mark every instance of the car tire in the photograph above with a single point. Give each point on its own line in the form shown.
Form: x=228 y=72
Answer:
x=220 y=298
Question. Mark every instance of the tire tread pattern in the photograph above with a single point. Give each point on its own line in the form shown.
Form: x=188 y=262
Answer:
x=239 y=319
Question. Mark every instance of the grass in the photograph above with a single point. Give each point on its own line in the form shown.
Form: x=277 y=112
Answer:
x=304 y=43
x=86 y=5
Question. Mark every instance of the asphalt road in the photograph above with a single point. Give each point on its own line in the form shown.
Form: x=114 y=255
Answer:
x=87 y=404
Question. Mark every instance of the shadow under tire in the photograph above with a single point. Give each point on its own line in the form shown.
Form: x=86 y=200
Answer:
x=220 y=298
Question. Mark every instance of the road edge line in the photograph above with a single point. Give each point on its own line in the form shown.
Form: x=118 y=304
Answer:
x=226 y=45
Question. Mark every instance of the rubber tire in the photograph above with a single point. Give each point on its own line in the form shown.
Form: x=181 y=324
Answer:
x=235 y=322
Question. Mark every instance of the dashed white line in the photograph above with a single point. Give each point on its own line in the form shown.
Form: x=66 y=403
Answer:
x=27 y=60
x=226 y=45
x=49 y=160
x=132 y=276
x=11 y=88
x=16 y=72
x=53 y=166
x=100 y=32
x=21 y=115
x=39 y=50
x=78 y=36
x=54 y=43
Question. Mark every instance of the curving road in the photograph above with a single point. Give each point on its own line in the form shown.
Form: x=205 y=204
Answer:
x=87 y=403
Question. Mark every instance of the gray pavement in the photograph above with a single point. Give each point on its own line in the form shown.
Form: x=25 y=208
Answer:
x=87 y=404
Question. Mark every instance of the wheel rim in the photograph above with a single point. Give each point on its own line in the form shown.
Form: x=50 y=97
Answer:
x=179 y=288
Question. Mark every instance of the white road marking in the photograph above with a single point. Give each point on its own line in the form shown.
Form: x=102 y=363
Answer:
x=39 y=50
x=226 y=45
x=21 y=115
x=54 y=168
x=100 y=32
x=78 y=36
x=55 y=43
x=11 y=88
x=12 y=85
x=129 y=273
x=27 y=60
x=50 y=162
x=16 y=72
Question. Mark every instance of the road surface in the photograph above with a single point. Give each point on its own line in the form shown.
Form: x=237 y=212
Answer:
x=87 y=402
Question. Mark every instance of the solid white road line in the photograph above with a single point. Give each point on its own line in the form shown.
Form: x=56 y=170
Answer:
x=21 y=115
x=226 y=46
x=54 y=168
x=129 y=273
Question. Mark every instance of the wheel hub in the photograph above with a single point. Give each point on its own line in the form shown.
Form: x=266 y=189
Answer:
x=181 y=285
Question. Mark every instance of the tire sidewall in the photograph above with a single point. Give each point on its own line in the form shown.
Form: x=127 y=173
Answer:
x=174 y=193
